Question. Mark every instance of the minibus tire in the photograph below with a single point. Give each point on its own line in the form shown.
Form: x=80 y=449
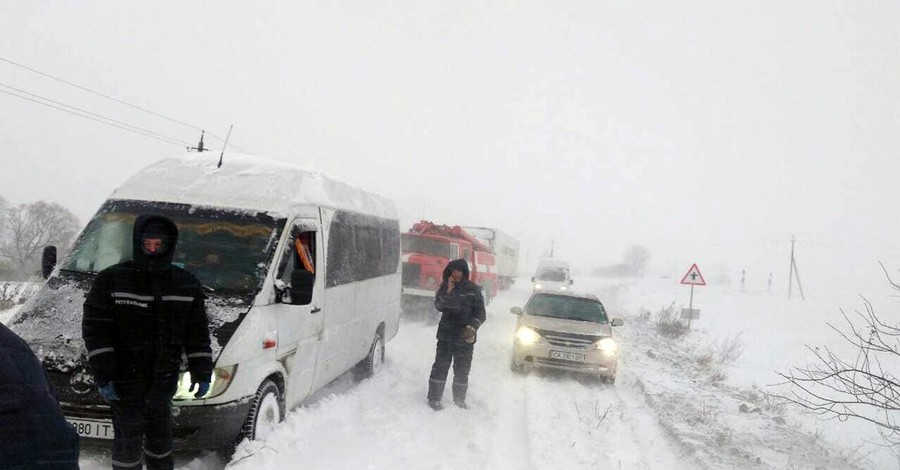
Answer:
x=264 y=408
x=373 y=361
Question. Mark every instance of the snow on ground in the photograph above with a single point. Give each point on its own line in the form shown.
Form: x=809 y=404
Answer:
x=8 y=314
x=667 y=409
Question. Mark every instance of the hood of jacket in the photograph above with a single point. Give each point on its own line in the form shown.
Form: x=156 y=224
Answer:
x=169 y=233
x=460 y=264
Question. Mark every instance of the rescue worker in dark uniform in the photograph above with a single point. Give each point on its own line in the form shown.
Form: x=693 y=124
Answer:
x=140 y=317
x=462 y=313
x=34 y=434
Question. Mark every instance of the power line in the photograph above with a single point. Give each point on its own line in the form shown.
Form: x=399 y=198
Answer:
x=84 y=111
x=112 y=98
x=108 y=121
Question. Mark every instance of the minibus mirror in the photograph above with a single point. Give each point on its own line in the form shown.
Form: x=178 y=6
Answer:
x=302 y=282
x=617 y=322
x=571 y=281
x=516 y=310
x=532 y=278
x=48 y=260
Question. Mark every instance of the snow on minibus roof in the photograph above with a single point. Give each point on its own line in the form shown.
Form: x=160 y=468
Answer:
x=249 y=183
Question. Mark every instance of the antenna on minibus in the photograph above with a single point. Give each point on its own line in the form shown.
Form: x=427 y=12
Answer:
x=199 y=148
x=225 y=145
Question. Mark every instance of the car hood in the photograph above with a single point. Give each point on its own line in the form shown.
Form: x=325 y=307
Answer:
x=566 y=326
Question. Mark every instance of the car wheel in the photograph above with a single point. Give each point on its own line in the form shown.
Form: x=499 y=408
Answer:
x=516 y=368
x=266 y=411
x=373 y=361
x=608 y=379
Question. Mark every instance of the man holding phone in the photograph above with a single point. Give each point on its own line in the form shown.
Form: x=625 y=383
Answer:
x=462 y=312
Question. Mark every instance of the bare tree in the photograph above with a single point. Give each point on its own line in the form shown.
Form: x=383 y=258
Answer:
x=28 y=228
x=3 y=209
x=636 y=259
x=862 y=387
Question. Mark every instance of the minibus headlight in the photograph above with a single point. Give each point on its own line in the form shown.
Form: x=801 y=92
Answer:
x=538 y=286
x=221 y=379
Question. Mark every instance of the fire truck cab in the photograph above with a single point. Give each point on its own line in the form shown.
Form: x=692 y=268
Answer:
x=426 y=250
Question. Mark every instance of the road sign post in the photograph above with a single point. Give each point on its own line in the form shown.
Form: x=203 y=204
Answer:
x=692 y=278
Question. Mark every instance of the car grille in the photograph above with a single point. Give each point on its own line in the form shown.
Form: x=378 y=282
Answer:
x=411 y=274
x=546 y=361
x=568 y=340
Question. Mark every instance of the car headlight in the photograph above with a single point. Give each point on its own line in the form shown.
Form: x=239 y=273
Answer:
x=607 y=345
x=526 y=335
x=221 y=379
x=563 y=288
x=537 y=286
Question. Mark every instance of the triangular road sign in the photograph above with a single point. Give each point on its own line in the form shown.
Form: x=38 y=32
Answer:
x=693 y=277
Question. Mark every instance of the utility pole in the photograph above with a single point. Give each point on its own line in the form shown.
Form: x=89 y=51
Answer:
x=794 y=272
x=199 y=148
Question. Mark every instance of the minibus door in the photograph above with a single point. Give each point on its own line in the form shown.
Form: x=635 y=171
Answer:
x=299 y=288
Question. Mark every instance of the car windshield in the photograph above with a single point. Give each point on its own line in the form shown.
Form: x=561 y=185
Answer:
x=552 y=275
x=566 y=307
x=228 y=250
x=415 y=244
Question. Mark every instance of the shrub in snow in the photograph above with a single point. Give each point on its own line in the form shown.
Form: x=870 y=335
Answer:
x=669 y=322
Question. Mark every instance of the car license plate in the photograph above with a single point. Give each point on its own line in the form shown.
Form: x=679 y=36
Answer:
x=93 y=428
x=567 y=356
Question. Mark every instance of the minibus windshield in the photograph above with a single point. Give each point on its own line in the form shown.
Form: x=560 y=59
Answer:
x=229 y=250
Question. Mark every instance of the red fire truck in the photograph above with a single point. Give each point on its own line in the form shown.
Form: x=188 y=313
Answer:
x=427 y=248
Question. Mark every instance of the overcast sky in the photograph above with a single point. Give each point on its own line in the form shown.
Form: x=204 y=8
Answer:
x=706 y=131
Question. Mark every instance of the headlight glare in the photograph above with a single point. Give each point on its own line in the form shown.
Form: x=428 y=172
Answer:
x=525 y=335
x=537 y=286
x=607 y=345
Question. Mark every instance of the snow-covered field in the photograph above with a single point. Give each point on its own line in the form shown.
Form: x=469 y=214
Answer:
x=667 y=410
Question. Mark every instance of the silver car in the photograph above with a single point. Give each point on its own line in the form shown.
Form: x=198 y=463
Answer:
x=566 y=331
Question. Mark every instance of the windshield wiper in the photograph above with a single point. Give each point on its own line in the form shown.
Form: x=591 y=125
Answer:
x=77 y=272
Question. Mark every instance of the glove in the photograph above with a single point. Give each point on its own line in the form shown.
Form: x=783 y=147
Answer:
x=468 y=334
x=108 y=391
x=202 y=388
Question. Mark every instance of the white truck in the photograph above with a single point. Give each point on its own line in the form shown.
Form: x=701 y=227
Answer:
x=506 y=252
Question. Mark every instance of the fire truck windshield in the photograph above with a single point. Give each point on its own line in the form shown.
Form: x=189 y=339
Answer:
x=413 y=244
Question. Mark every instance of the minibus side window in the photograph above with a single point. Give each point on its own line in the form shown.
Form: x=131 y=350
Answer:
x=297 y=268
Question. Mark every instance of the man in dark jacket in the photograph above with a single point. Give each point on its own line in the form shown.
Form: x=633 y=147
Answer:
x=34 y=433
x=462 y=313
x=139 y=318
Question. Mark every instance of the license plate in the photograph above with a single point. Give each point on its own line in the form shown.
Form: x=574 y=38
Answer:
x=93 y=428
x=567 y=356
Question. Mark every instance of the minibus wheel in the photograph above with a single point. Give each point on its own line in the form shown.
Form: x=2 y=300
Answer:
x=373 y=361
x=266 y=411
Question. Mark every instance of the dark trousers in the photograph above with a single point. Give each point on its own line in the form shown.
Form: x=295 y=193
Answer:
x=460 y=355
x=143 y=427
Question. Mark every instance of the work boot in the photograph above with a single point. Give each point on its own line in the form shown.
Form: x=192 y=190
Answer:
x=435 y=405
x=461 y=404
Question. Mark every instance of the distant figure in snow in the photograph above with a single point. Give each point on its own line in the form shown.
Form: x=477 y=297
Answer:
x=462 y=313
x=34 y=434
x=139 y=317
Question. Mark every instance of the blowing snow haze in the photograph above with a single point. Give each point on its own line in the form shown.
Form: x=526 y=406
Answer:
x=705 y=132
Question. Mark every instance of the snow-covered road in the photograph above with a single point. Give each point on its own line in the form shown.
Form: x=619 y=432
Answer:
x=514 y=422
x=663 y=412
